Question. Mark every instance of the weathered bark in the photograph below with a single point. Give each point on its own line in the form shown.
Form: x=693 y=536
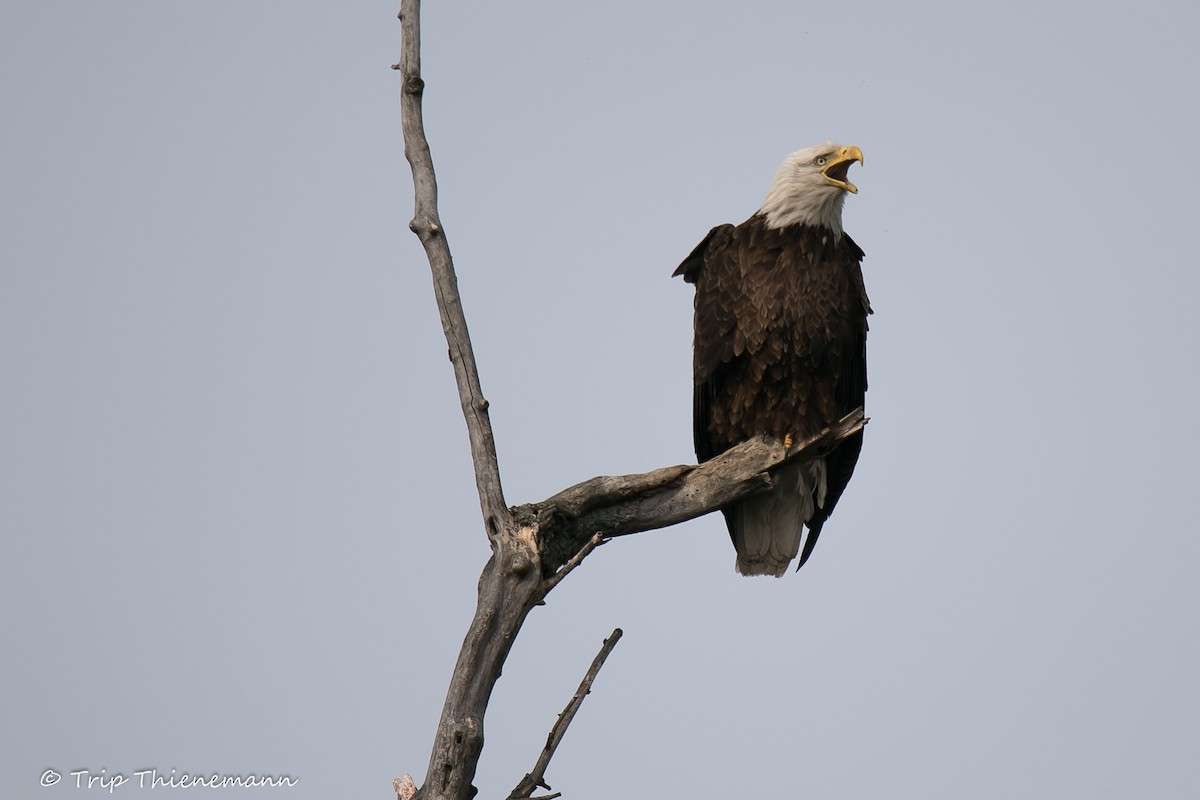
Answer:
x=510 y=586
x=535 y=546
x=615 y=506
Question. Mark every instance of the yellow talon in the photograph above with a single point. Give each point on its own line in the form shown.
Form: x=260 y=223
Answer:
x=787 y=442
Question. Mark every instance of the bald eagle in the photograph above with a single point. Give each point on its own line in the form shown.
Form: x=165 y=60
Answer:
x=780 y=348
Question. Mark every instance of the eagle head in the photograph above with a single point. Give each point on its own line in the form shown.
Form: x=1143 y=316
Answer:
x=810 y=187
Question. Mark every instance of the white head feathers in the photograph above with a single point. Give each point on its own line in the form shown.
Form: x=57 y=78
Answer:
x=810 y=187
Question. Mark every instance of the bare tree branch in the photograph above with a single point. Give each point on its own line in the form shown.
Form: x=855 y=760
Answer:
x=511 y=583
x=574 y=522
x=615 y=506
x=532 y=780
x=428 y=227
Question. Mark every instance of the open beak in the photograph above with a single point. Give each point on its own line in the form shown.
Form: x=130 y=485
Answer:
x=839 y=168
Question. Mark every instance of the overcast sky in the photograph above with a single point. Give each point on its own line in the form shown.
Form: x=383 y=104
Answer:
x=240 y=528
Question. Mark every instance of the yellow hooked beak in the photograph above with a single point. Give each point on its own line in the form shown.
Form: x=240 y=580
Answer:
x=839 y=168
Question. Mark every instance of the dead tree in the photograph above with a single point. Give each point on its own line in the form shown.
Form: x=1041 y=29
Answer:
x=536 y=545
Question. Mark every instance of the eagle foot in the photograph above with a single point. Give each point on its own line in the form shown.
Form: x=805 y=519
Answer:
x=787 y=442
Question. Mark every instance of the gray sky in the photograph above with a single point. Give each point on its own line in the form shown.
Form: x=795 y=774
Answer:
x=240 y=528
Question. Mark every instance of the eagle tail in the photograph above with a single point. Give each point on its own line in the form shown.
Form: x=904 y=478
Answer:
x=767 y=529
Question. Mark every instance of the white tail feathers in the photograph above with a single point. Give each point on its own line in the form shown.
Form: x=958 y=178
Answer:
x=768 y=528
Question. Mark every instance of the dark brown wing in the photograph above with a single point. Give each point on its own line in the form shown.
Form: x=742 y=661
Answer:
x=714 y=326
x=849 y=394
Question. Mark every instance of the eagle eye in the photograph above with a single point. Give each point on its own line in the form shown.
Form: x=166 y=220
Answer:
x=819 y=161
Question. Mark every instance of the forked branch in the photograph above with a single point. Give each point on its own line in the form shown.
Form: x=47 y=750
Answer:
x=536 y=546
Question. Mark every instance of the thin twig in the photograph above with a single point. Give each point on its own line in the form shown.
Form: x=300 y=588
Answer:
x=428 y=227
x=573 y=562
x=536 y=778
